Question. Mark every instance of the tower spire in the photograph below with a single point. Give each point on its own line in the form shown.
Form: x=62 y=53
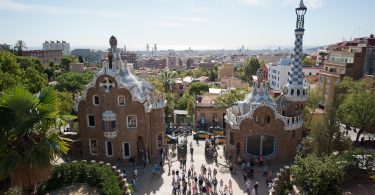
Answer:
x=295 y=90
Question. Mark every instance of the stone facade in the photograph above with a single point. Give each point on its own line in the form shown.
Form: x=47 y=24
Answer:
x=119 y=115
x=227 y=70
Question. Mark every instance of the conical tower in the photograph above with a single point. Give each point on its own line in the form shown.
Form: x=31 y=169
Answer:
x=295 y=93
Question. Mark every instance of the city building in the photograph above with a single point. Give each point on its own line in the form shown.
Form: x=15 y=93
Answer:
x=52 y=45
x=272 y=58
x=231 y=82
x=278 y=75
x=151 y=63
x=129 y=57
x=119 y=115
x=227 y=70
x=89 y=56
x=346 y=59
x=46 y=56
x=77 y=67
x=262 y=127
x=206 y=113
x=5 y=47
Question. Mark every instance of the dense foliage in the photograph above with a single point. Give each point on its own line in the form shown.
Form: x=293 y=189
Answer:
x=319 y=176
x=308 y=61
x=99 y=176
x=25 y=71
x=228 y=99
x=248 y=68
x=357 y=103
x=73 y=82
x=29 y=135
x=198 y=88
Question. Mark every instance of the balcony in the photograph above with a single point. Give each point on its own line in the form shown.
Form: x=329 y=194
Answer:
x=110 y=134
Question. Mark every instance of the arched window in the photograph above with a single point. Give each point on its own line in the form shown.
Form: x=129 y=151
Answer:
x=298 y=92
x=292 y=92
x=268 y=119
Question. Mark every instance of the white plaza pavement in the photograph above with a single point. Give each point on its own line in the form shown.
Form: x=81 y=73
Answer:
x=148 y=183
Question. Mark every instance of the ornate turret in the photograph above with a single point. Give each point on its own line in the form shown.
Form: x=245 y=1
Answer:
x=295 y=91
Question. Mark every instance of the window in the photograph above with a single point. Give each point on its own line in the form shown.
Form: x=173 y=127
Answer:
x=121 y=100
x=132 y=121
x=109 y=148
x=93 y=146
x=113 y=124
x=91 y=120
x=126 y=150
x=96 y=100
x=159 y=140
x=231 y=138
x=310 y=73
x=268 y=119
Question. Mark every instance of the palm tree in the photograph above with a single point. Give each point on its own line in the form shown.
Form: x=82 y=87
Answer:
x=167 y=79
x=19 y=47
x=29 y=136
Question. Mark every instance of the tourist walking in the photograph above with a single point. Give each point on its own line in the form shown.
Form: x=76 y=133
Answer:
x=230 y=186
x=169 y=166
x=256 y=188
x=221 y=185
x=209 y=173
x=191 y=153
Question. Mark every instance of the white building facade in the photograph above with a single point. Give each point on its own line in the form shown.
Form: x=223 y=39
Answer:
x=52 y=45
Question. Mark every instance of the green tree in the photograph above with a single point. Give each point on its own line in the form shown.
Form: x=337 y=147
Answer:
x=318 y=176
x=359 y=109
x=247 y=69
x=308 y=61
x=310 y=106
x=228 y=99
x=20 y=46
x=167 y=80
x=169 y=108
x=26 y=71
x=29 y=136
x=197 y=88
x=73 y=82
x=65 y=102
x=357 y=103
x=65 y=60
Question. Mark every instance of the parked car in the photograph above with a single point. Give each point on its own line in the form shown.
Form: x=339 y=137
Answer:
x=220 y=139
x=202 y=135
x=171 y=139
x=216 y=130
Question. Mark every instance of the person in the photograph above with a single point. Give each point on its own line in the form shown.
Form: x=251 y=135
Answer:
x=265 y=171
x=226 y=191
x=215 y=172
x=221 y=185
x=209 y=172
x=189 y=174
x=214 y=182
x=248 y=186
x=169 y=166
x=192 y=167
x=230 y=186
x=135 y=173
x=184 y=187
x=194 y=188
x=191 y=153
x=253 y=192
x=244 y=176
x=256 y=187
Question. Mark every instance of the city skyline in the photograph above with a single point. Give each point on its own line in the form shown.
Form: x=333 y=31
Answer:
x=172 y=24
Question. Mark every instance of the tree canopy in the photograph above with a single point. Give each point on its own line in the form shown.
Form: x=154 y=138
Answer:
x=198 y=88
x=308 y=61
x=29 y=135
x=228 y=99
x=25 y=71
x=357 y=103
x=318 y=176
x=248 y=68
x=73 y=82
x=65 y=60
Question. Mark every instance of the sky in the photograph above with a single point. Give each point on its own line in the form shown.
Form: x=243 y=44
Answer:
x=179 y=24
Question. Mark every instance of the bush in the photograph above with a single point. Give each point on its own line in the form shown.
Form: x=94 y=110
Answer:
x=93 y=174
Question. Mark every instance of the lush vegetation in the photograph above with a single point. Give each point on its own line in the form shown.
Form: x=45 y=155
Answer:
x=198 y=88
x=25 y=71
x=99 y=176
x=73 y=82
x=228 y=99
x=29 y=135
x=308 y=61
x=357 y=103
x=319 y=175
x=248 y=68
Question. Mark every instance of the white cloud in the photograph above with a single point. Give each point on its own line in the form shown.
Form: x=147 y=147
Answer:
x=11 y=5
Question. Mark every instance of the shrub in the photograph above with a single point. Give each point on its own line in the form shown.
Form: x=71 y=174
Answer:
x=95 y=175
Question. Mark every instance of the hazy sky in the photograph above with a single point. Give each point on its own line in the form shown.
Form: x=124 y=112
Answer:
x=178 y=24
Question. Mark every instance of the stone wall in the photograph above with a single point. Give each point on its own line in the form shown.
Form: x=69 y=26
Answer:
x=281 y=179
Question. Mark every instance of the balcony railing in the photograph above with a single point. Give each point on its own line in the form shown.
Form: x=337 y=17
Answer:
x=110 y=134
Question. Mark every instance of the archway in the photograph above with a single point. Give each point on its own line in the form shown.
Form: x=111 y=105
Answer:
x=140 y=148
